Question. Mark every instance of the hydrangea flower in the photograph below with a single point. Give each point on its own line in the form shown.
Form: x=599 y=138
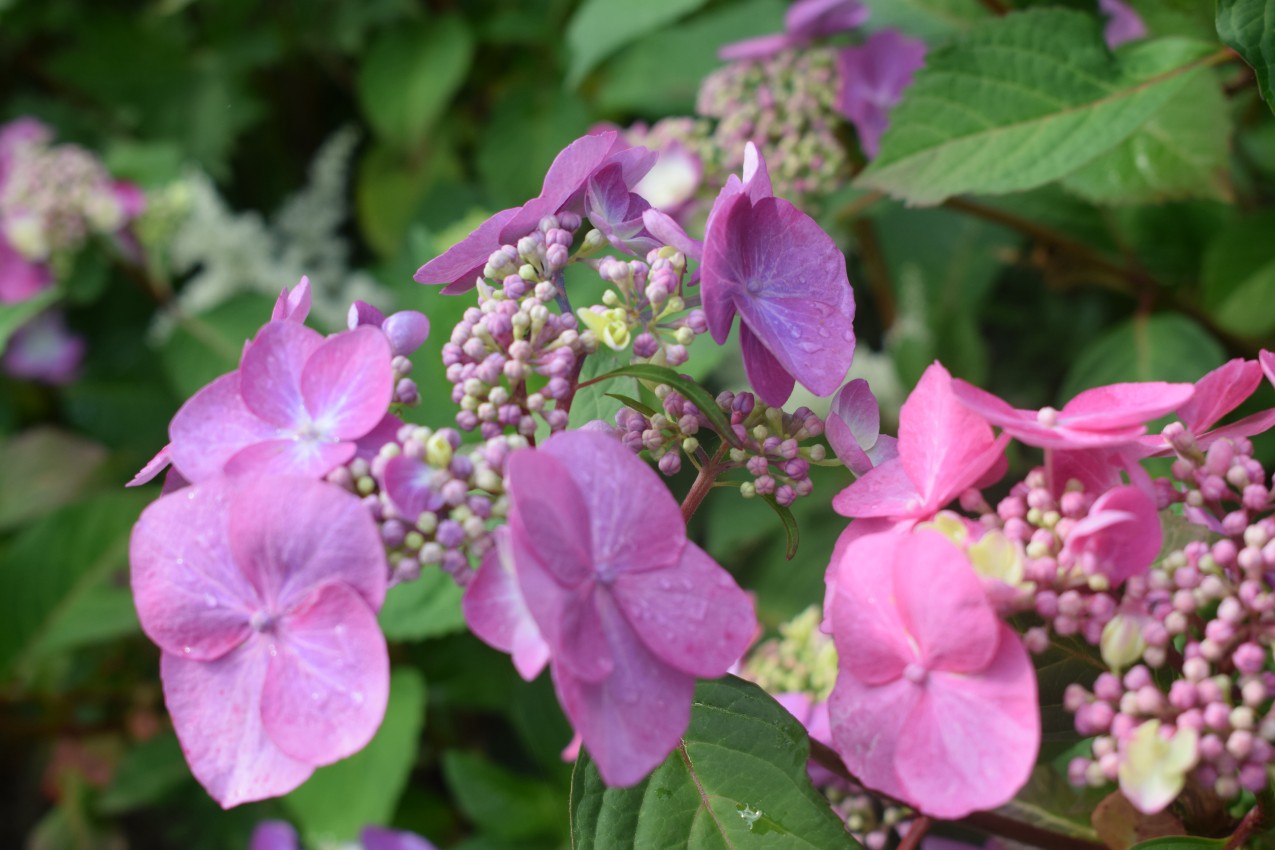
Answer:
x=44 y=350
x=263 y=596
x=297 y=404
x=873 y=78
x=1123 y=23
x=628 y=611
x=853 y=428
x=804 y=21
x=771 y=263
x=936 y=700
x=943 y=449
x=1217 y=394
x=1119 y=538
x=279 y=835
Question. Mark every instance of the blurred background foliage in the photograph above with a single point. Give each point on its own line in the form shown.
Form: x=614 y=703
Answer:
x=355 y=139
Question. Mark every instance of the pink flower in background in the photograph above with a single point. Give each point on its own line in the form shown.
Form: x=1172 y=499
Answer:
x=44 y=350
x=263 y=597
x=853 y=428
x=629 y=611
x=296 y=405
x=943 y=450
x=773 y=265
x=936 y=700
x=873 y=78
x=804 y=21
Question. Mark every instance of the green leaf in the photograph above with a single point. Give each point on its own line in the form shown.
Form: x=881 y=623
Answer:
x=54 y=468
x=499 y=803
x=1248 y=26
x=633 y=404
x=1050 y=802
x=54 y=562
x=102 y=613
x=600 y=27
x=594 y=402
x=1181 y=842
x=209 y=345
x=1181 y=151
x=1021 y=100
x=737 y=780
x=340 y=799
x=410 y=75
x=421 y=609
x=1238 y=277
x=791 y=532
x=1163 y=347
x=14 y=316
x=929 y=19
x=513 y=163
x=149 y=771
x=692 y=391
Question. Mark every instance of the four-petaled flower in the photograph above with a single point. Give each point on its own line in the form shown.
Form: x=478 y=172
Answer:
x=263 y=596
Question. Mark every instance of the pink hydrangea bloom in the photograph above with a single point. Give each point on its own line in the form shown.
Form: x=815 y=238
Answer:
x=943 y=449
x=263 y=597
x=20 y=278
x=1110 y=416
x=1217 y=394
x=773 y=265
x=853 y=428
x=873 y=78
x=628 y=610
x=1119 y=538
x=297 y=405
x=935 y=702
x=804 y=21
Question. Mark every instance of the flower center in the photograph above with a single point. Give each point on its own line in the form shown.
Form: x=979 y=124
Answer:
x=915 y=673
x=262 y=621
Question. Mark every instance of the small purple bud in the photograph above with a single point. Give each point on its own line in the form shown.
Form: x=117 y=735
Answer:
x=671 y=463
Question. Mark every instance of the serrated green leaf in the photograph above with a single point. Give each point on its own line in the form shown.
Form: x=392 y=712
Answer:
x=1238 y=277
x=1248 y=26
x=409 y=76
x=738 y=780
x=791 y=532
x=53 y=562
x=1021 y=100
x=692 y=391
x=1181 y=151
x=425 y=608
x=53 y=468
x=342 y=798
x=500 y=803
x=1163 y=347
x=600 y=27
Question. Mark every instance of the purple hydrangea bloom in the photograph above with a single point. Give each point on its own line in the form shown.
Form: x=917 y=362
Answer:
x=297 y=405
x=44 y=350
x=1123 y=23
x=853 y=428
x=629 y=611
x=804 y=21
x=771 y=263
x=873 y=77
x=20 y=278
x=263 y=597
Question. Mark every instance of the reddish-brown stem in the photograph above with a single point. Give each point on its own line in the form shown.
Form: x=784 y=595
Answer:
x=1251 y=823
x=708 y=473
x=996 y=7
x=916 y=832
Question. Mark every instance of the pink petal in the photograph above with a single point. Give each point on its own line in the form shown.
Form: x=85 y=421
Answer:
x=363 y=313
x=942 y=604
x=546 y=514
x=883 y=491
x=718 y=271
x=1267 y=361
x=191 y=597
x=271 y=372
x=664 y=228
x=386 y=431
x=1120 y=549
x=564 y=181
x=581 y=647
x=1120 y=406
x=347 y=383
x=971 y=743
x=1025 y=425
x=766 y=375
x=293 y=304
x=846 y=447
x=754 y=48
x=20 y=278
x=1219 y=392
x=1249 y=426
x=212 y=426
x=755 y=175
x=692 y=616
x=376 y=838
x=856 y=407
x=870 y=634
x=329 y=677
x=290 y=535
x=462 y=264
x=215 y=707
x=153 y=467
x=274 y=835
x=497 y=612
x=634 y=521
x=289 y=456
x=1097 y=469
x=409 y=484
x=633 y=719
x=869 y=722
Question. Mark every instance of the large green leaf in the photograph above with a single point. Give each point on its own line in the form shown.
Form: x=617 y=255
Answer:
x=1181 y=151
x=1239 y=277
x=1249 y=27
x=52 y=564
x=1021 y=100
x=1164 y=347
x=737 y=780
x=425 y=608
x=49 y=468
x=410 y=75
x=147 y=774
x=502 y=804
x=340 y=799
x=600 y=27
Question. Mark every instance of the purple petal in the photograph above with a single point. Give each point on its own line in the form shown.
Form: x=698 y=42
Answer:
x=1119 y=406
x=376 y=838
x=633 y=719
x=153 y=467
x=755 y=48
x=756 y=177
x=767 y=376
x=664 y=228
x=363 y=313
x=310 y=458
x=406 y=331
x=863 y=610
x=564 y=183
x=293 y=304
x=191 y=596
x=853 y=425
x=212 y=427
x=1123 y=23
x=581 y=644
x=887 y=448
x=409 y=484
x=386 y=431
x=290 y=535
x=329 y=677
x=215 y=707
x=462 y=264
x=692 y=616
x=808 y=19
x=546 y=513
x=44 y=350
x=1219 y=392
x=270 y=374
x=497 y=612
x=873 y=78
x=347 y=383
x=846 y=447
x=20 y=279
x=274 y=835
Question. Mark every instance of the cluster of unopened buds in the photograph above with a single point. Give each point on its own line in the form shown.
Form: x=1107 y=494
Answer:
x=645 y=308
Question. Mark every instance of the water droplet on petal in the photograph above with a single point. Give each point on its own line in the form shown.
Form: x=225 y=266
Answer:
x=187 y=650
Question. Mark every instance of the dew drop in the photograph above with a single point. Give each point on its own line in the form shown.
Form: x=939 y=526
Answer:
x=316 y=696
x=187 y=650
x=357 y=696
x=210 y=600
